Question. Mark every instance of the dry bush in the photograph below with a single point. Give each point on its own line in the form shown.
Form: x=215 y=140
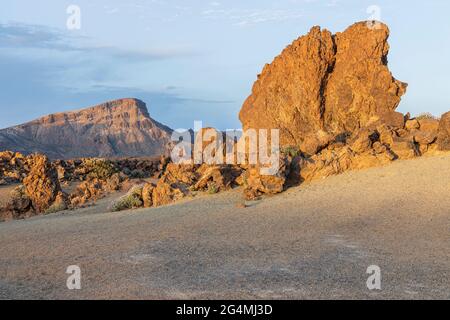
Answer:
x=100 y=169
x=426 y=115
x=132 y=200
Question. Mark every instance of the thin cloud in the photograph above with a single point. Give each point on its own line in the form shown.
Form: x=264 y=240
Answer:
x=246 y=17
x=174 y=97
x=18 y=35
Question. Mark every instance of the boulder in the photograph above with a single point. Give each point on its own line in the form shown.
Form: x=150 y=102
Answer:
x=13 y=167
x=91 y=189
x=362 y=141
x=393 y=119
x=412 y=124
x=217 y=178
x=147 y=194
x=337 y=159
x=19 y=205
x=328 y=162
x=256 y=183
x=423 y=137
x=42 y=184
x=165 y=193
x=428 y=124
x=443 y=140
x=180 y=174
x=386 y=134
x=404 y=148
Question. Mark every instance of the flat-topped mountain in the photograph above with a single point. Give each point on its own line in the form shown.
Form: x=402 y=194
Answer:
x=112 y=129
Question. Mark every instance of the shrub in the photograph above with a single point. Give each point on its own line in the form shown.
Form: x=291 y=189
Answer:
x=125 y=203
x=426 y=115
x=133 y=199
x=138 y=174
x=56 y=207
x=291 y=151
x=100 y=169
x=212 y=188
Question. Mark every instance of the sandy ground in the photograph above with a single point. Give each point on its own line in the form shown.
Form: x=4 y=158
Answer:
x=314 y=241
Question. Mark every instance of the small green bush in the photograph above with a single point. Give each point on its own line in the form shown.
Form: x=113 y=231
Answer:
x=291 y=151
x=212 y=188
x=101 y=169
x=132 y=200
x=126 y=203
x=56 y=207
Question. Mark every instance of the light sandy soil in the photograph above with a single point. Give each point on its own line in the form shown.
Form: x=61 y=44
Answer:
x=314 y=241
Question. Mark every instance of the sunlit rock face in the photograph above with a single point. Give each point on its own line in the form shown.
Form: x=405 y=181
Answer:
x=112 y=129
x=324 y=85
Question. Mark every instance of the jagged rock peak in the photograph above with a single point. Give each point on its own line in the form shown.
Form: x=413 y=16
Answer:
x=323 y=85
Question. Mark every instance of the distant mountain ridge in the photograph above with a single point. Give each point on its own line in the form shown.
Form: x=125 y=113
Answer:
x=116 y=128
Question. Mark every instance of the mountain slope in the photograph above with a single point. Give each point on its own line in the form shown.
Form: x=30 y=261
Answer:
x=112 y=129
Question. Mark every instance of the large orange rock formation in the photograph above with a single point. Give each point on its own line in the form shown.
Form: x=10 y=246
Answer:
x=325 y=85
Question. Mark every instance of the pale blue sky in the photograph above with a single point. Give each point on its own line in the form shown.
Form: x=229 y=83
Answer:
x=194 y=60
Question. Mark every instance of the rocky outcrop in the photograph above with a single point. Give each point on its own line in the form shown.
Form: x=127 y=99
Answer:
x=256 y=184
x=181 y=180
x=216 y=178
x=99 y=177
x=95 y=188
x=165 y=193
x=147 y=195
x=120 y=128
x=444 y=132
x=42 y=185
x=323 y=86
x=19 y=205
x=13 y=167
x=333 y=99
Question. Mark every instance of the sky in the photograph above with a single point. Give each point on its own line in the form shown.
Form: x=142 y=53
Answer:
x=194 y=60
